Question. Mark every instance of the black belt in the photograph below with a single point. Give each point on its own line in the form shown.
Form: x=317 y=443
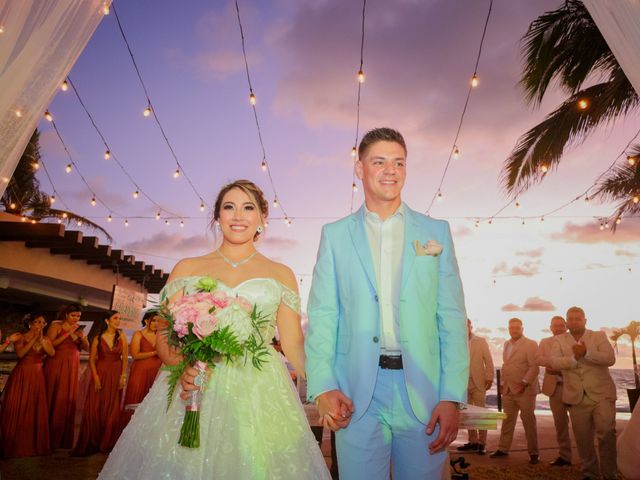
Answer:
x=390 y=363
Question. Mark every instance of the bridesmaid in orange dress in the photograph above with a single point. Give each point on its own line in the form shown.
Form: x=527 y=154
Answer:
x=61 y=375
x=108 y=362
x=25 y=420
x=145 y=366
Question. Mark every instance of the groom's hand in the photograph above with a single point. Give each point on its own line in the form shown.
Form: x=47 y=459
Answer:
x=334 y=409
x=448 y=416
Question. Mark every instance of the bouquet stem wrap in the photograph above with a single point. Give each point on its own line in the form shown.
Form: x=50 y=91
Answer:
x=190 y=431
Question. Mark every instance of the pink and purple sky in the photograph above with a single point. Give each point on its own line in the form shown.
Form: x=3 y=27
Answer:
x=304 y=55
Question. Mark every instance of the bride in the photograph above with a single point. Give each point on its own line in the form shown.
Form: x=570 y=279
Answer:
x=252 y=425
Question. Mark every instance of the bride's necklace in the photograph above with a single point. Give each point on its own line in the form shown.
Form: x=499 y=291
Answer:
x=236 y=264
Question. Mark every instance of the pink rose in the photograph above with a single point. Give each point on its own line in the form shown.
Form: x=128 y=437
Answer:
x=244 y=304
x=205 y=325
x=220 y=299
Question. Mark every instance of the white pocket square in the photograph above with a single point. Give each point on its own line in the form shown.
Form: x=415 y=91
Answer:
x=431 y=248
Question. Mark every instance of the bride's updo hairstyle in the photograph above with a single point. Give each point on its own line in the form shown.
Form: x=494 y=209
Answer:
x=252 y=190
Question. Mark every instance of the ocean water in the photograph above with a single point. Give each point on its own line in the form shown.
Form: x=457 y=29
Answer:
x=623 y=378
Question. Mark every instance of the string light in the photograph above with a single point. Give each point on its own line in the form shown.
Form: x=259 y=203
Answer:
x=93 y=201
x=542 y=219
x=202 y=207
x=136 y=194
x=361 y=76
x=33 y=220
x=176 y=174
x=586 y=198
x=65 y=215
x=275 y=202
x=35 y=165
x=636 y=199
x=474 y=81
x=107 y=154
x=68 y=168
x=147 y=111
x=456 y=152
x=52 y=199
x=583 y=104
x=105 y=9
x=23 y=218
x=64 y=86
x=252 y=98
x=126 y=222
x=440 y=196
x=544 y=168
x=518 y=204
x=354 y=152
x=79 y=222
x=354 y=187
x=48 y=116
x=109 y=218
x=59 y=220
x=601 y=227
x=263 y=166
x=181 y=223
x=12 y=206
x=167 y=223
x=158 y=216
x=631 y=160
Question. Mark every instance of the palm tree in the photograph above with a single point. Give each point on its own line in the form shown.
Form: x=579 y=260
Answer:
x=23 y=195
x=633 y=331
x=565 y=46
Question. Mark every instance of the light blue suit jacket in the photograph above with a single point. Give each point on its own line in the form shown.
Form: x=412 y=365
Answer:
x=342 y=343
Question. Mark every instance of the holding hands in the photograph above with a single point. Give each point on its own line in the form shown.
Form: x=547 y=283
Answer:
x=579 y=350
x=334 y=409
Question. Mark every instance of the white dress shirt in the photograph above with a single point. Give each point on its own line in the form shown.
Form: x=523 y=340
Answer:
x=386 y=241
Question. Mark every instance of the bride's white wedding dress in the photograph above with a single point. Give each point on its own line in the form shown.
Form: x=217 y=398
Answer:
x=252 y=425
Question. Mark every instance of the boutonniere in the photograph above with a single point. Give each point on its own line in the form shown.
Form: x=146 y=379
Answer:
x=431 y=248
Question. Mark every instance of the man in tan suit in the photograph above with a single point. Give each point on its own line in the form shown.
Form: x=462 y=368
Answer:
x=519 y=388
x=480 y=380
x=552 y=388
x=584 y=356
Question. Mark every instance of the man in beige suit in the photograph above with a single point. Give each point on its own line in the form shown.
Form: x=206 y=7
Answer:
x=552 y=388
x=519 y=388
x=584 y=356
x=480 y=380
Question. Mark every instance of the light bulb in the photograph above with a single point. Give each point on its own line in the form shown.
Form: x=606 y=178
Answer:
x=440 y=196
x=24 y=219
x=252 y=98
x=631 y=160
x=354 y=152
x=176 y=174
x=202 y=207
x=456 y=152
x=93 y=201
x=33 y=220
x=109 y=218
x=79 y=223
x=361 y=76
x=126 y=222
x=136 y=194
x=523 y=221
x=166 y=222
x=606 y=225
x=517 y=204
x=636 y=199
x=354 y=187
x=586 y=198
x=65 y=86
x=105 y=9
x=287 y=221
x=147 y=111
x=263 y=166
x=158 y=216
x=490 y=221
x=275 y=202
x=59 y=220
x=182 y=223
x=68 y=168
x=18 y=113
x=48 y=116
x=36 y=165
x=544 y=168
x=107 y=154
x=474 y=81
x=583 y=104
x=52 y=199
x=12 y=206
x=65 y=215
x=542 y=219
x=601 y=227
x=618 y=220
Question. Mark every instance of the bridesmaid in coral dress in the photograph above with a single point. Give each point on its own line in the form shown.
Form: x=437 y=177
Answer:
x=61 y=375
x=108 y=362
x=145 y=366
x=25 y=420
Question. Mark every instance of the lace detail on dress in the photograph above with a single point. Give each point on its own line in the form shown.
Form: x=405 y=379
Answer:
x=291 y=299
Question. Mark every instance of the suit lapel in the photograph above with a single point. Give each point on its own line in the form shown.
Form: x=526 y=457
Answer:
x=411 y=233
x=361 y=245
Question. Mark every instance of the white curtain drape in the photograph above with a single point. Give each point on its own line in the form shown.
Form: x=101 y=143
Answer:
x=619 y=22
x=40 y=40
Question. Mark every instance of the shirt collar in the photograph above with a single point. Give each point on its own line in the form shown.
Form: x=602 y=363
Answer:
x=400 y=212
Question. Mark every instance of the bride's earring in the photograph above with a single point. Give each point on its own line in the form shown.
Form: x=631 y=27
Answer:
x=260 y=229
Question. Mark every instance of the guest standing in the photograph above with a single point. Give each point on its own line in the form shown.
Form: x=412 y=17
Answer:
x=480 y=380
x=519 y=389
x=25 y=420
x=144 y=368
x=7 y=341
x=584 y=356
x=61 y=375
x=552 y=388
x=108 y=362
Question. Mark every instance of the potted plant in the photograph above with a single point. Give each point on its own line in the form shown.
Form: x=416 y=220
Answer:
x=633 y=331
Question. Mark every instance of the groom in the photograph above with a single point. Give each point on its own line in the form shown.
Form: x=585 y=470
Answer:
x=387 y=357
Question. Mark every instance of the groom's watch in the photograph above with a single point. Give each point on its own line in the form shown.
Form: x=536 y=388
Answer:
x=459 y=406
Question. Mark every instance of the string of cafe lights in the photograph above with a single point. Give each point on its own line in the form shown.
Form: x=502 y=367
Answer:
x=265 y=165
x=109 y=154
x=454 y=152
x=150 y=110
x=562 y=273
x=361 y=78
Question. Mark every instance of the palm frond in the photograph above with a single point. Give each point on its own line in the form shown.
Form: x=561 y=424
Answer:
x=563 y=45
x=545 y=143
x=622 y=185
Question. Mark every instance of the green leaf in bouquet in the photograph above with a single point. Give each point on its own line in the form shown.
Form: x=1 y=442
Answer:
x=175 y=372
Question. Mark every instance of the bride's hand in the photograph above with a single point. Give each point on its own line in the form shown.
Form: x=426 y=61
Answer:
x=187 y=381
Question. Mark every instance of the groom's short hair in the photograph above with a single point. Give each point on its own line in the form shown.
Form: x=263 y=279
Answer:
x=382 y=134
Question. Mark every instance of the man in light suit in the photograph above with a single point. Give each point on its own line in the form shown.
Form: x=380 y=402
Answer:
x=584 y=356
x=387 y=356
x=552 y=388
x=519 y=388
x=480 y=380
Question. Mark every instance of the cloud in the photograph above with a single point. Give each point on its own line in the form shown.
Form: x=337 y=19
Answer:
x=626 y=253
x=531 y=304
x=279 y=242
x=590 y=233
x=527 y=269
x=482 y=330
x=535 y=253
x=171 y=243
x=462 y=231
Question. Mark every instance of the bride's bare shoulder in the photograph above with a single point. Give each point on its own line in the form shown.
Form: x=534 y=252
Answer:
x=190 y=266
x=283 y=274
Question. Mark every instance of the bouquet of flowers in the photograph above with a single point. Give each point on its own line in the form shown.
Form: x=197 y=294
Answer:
x=209 y=327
